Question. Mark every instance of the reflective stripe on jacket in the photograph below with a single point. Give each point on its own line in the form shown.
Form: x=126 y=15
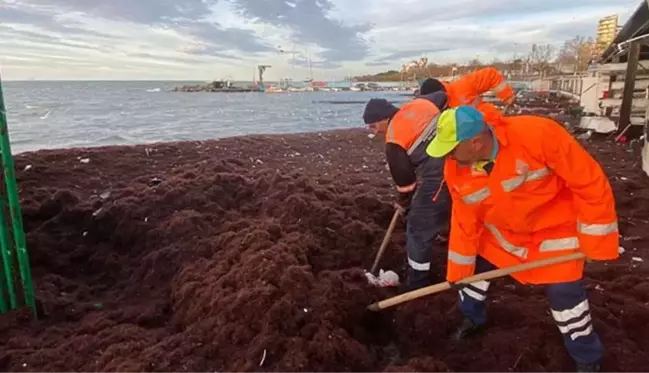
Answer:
x=468 y=89
x=545 y=197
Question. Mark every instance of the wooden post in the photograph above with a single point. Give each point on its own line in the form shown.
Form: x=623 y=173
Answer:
x=633 y=57
x=612 y=79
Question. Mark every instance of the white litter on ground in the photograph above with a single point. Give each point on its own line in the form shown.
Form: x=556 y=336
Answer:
x=621 y=250
x=263 y=358
x=384 y=279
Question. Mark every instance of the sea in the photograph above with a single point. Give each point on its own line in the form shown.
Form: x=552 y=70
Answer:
x=71 y=114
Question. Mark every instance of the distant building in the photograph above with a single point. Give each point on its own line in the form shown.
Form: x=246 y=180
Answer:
x=607 y=29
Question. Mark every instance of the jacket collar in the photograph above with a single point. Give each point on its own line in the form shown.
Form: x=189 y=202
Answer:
x=499 y=129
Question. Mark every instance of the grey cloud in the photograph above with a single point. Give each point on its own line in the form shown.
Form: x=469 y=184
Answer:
x=138 y=11
x=454 y=40
x=407 y=54
x=310 y=22
x=212 y=52
x=182 y=15
x=326 y=65
x=53 y=61
x=517 y=7
x=14 y=15
x=243 y=40
x=165 y=58
x=318 y=64
x=29 y=51
x=308 y=19
x=301 y=60
x=569 y=30
x=47 y=21
x=50 y=40
x=377 y=63
x=485 y=9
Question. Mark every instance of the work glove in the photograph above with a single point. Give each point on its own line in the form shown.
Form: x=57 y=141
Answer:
x=404 y=200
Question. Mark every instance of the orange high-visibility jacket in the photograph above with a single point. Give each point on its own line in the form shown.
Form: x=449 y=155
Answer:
x=545 y=197
x=467 y=90
x=412 y=123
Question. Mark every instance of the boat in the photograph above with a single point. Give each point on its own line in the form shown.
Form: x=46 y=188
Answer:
x=273 y=89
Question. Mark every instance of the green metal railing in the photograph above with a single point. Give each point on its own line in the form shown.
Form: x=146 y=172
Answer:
x=16 y=290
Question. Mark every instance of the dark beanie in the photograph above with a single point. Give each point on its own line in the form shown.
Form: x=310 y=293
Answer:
x=378 y=109
x=431 y=85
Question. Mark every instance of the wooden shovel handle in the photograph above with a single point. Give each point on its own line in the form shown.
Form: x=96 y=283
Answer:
x=501 y=272
x=386 y=238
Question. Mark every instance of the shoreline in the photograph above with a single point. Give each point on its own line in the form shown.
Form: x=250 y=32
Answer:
x=91 y=149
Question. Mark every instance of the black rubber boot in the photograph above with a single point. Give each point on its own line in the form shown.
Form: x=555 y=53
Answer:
x=466 y=329
x=417 y=280
x=594 y=367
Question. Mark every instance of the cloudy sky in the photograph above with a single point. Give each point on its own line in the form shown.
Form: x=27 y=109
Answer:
x=213 y=39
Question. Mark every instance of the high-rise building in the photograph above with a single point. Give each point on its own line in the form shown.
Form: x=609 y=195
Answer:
x=607 y=29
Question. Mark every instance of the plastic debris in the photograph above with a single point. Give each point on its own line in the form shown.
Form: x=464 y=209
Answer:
x=384 y=279
x=585 y=136
x=28 y=167
x=155 y=181
x=598 y=287
x=371 y=135
x=98 y=211
x=84 y=160
x=620 y=250
x=263 y=358
x=637 y=259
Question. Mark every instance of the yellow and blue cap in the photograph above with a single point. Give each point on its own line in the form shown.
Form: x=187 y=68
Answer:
x=455 y=125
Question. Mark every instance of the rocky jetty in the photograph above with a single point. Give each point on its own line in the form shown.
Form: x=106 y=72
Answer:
x=215 y=86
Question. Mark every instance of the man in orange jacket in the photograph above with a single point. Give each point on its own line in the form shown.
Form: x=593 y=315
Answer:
x=468 y=90
x=523 y=189
x=408 y=130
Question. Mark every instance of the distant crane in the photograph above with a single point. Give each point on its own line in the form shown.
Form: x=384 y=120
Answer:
x=262 y=69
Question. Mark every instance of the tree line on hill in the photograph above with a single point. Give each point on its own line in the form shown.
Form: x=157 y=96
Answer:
x=542 y=60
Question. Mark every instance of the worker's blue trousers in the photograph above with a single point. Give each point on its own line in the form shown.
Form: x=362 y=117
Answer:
x=569 y=306
x=425 y=220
